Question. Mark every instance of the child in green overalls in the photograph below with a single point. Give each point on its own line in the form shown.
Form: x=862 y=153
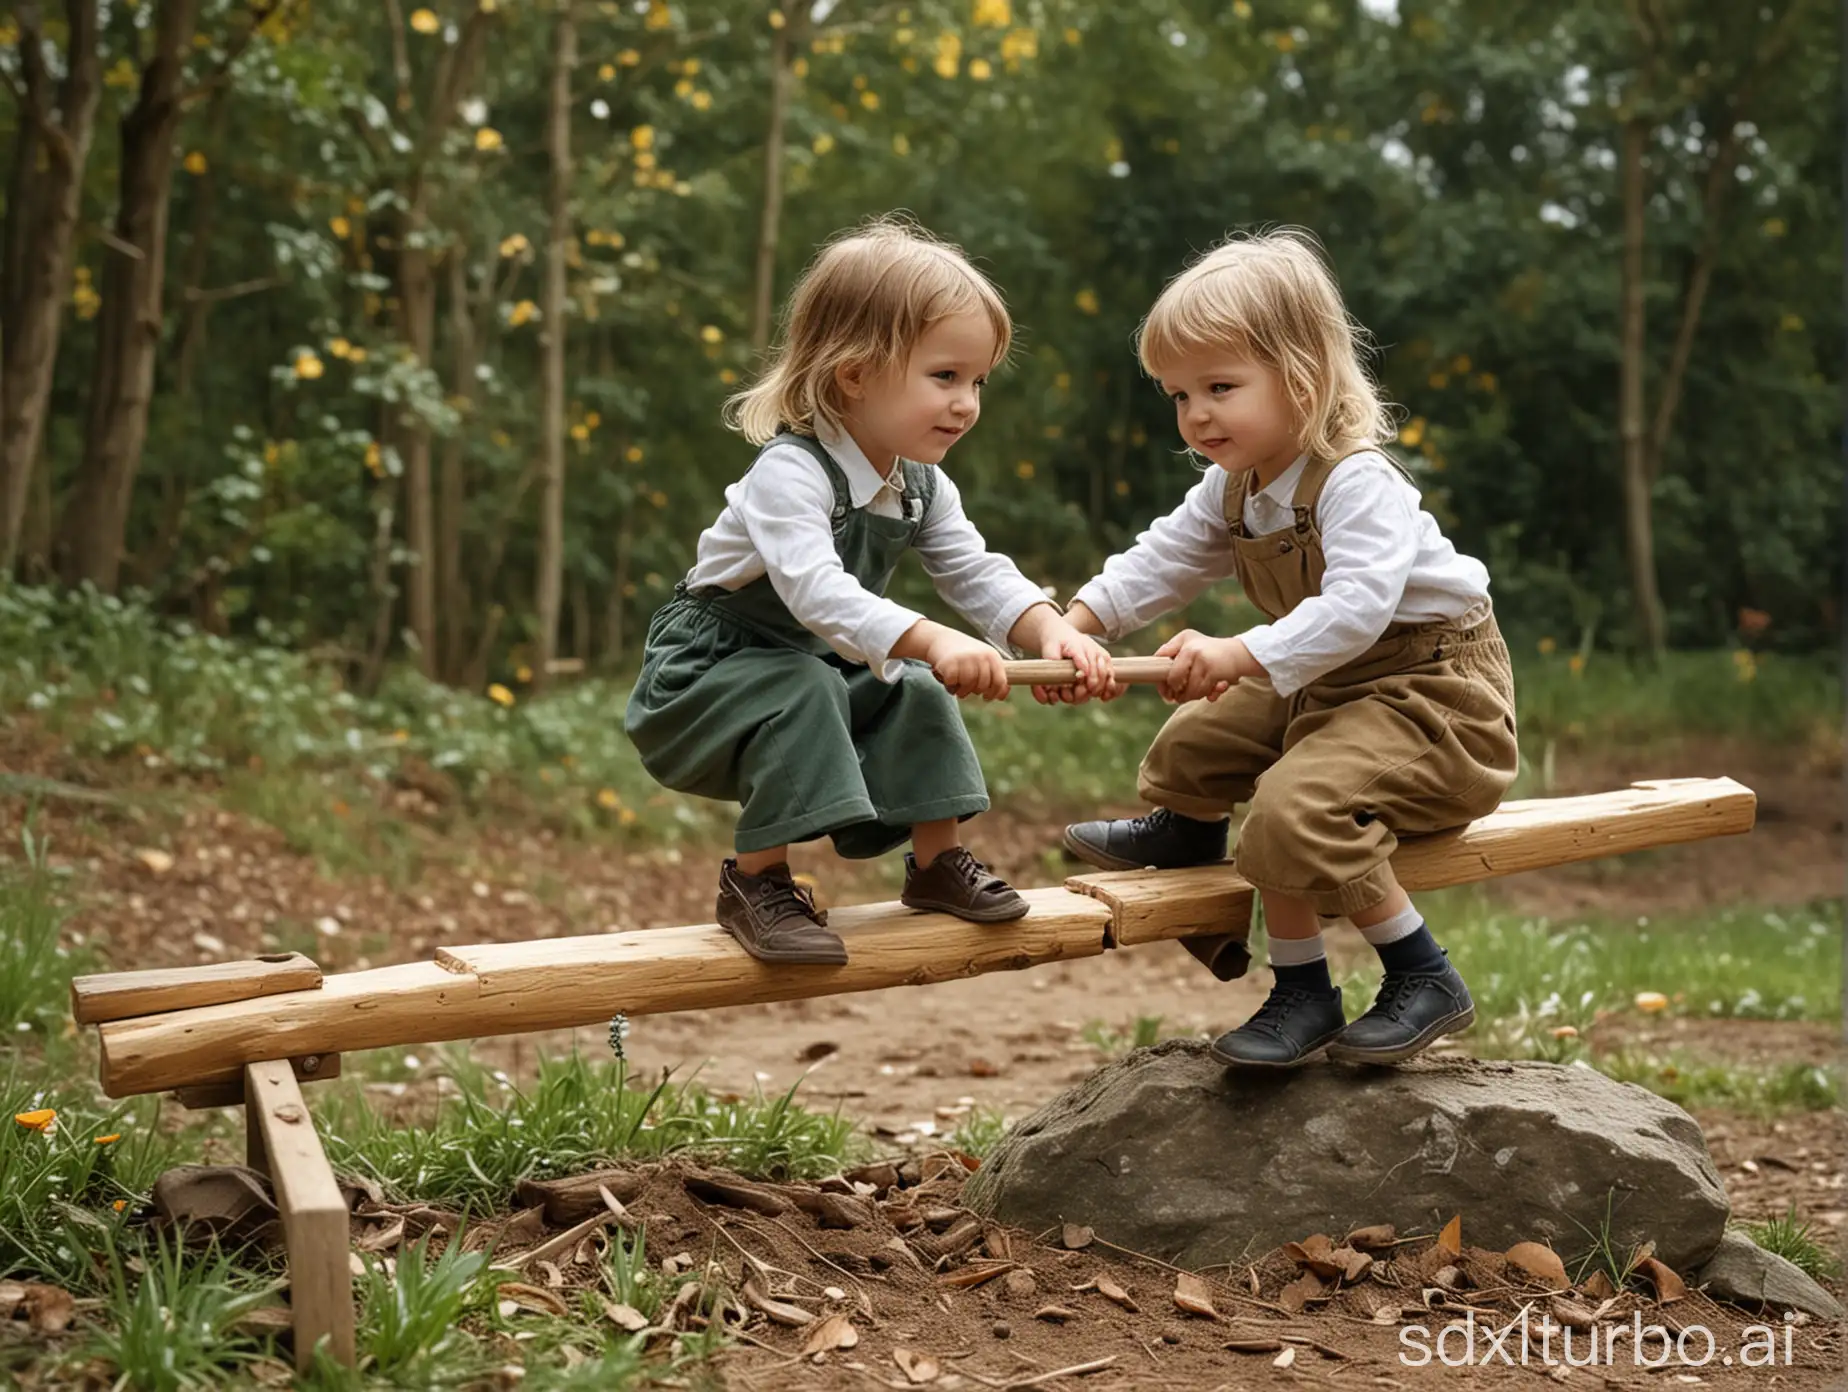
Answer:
x=779 y=676
x=1377 y=703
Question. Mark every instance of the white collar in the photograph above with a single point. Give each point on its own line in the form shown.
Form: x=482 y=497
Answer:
x=864 y=482
x=1282 y=489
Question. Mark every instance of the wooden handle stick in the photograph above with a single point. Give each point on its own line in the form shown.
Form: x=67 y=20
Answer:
x=1061 y=671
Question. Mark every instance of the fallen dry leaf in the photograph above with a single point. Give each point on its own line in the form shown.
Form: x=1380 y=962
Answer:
x=1598 y=1286
x=1076 y=1238
x=1111 y=1291
x=1191 y=1296
x=1450 y=1239
x=835 y=1332
x=976 y=1274
x=1301 y=1291
x=517 y=1295
x=1354 y=1264
x=385 y=1238
x=1386 y=1314
x=1668 y=1285
x=1377 y=1236
x=1447 y=1278
x=157 y=862
x=12 y=1296
x=782 y=1313
x=1314 y=1248
x=625 y=1317
x=1254 y=1345
x=1540 y=1261
x=49 y=1308
x=1286 y=1358
x=1571 y=1314
x=1055 y=1314
x=918 y=1368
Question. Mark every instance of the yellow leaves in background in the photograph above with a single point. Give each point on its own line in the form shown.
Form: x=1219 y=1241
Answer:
x=981 y=70
x=993 y=14
x=194 y=163
x=1412 y=432
x=1073 y=37
x=607 y=72
x=711 y=333
x=1086 y=300
x=84 y=298
x=1773 y=227
x=869 y=100
x=607 y=799
x=822 y=143
x=1651 y=1001
x=340 y=227
x=948 y=61
x=777 y=19
x=727 y=376
x=628 y=58
x=658 y=498
x=659 y=16
x=514 y=245
x=633 y=454
x=522 y=313
x=900 y=145
x=702 y=100
x=597 y=236
x=642 y=137
x=1018 y=46
x=645 y=161
x=1024 y=469
x=500 y=695
x=425 y=21
x=375 y=459
x=308 y=367
x=487 y=138
x=349 y=352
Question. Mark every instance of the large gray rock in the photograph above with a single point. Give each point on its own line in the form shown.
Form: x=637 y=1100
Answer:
x=1167 y=1153
x=1746 y=1274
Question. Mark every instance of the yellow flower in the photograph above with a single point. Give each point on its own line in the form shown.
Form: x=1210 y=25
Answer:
x=606 y=73
x=869 y=100
x=949 y=54
x=900 y=145
x=340 y=227
x=980 y=70
x=711 y=333
x=1547 y=647
x=822 y=143
x=1460 y=364
x=110 y=1139
x=1651 y=1001
x=658 y=498
x=799 y=67
x=375 y=459
x=606 y=797
x=727 y=376
x=777 y=21
x=119 y=1205
x=659 y=16
x=1487 y=381
x=1565 y=1032
x=702 y=100
x=1122 y=488
x=684 y=87
x=1063 y=381
x=500 y=695
x=642 y=137
x=487 y=138
x=592 y=419
x=1284 y=40
x=1241 y=9
x=308 y=366
x=1086 y=300
x=425 y=21
x=1072 y=36
x=626 y=816
x=1773 y=227
x=628 y=58
x=522 y=313
x=1412 y=431
x=195 y=162
x=1024 y=468
x=522 y=673
x=514 y=245
x=1439 y=380
x=1576 y=663
x=633 y=454
x=339 y=347
x=400 y=736
x=993 y=14
x=40 y=1121
x=580 y=431
x=1791 y=323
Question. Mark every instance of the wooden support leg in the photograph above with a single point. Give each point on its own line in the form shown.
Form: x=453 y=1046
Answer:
x=314 y=1215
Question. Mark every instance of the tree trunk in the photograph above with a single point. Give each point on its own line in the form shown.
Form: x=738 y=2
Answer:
x=552 y=410
x=41 y=224
x=452 y=488
x=614 y=625
x=784 y=41
x=417 y=309
x=129 y=326
x=1639 y=526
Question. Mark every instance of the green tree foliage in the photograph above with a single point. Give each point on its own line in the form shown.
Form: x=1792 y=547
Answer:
x=347 y=396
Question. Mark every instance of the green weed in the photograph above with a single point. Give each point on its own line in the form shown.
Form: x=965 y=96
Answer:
x=410 y=1326
x=1114 y=1043
x=1696 y=1085
x=36 y=965
x=1789 y=1237
x=980 y=1132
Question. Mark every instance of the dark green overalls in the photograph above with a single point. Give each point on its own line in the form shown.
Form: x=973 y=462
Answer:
x=738 y=701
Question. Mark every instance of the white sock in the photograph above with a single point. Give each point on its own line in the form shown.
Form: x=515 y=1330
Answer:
x=1400 y=925
x=1296 y=952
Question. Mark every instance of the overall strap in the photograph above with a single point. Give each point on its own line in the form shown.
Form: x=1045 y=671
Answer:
x=1309 y=492
x=920 y=483
x=1238 y=489
x=843 y=500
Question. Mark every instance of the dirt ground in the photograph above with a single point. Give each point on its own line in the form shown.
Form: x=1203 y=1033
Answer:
x=166 y=878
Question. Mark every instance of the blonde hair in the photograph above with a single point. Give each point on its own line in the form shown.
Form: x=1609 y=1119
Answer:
x=865 y=300
x=1271 y=296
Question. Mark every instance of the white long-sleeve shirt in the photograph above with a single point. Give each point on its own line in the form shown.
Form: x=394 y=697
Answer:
x=1387 y=562
x=777 y=522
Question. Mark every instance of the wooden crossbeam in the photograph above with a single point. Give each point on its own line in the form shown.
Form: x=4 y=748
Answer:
x=562 y=983
x=123 y=995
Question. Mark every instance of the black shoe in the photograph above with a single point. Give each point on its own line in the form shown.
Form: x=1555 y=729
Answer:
x=1290 y=1028
x=1411 y=1011
x=775 y=919
x=1163 y=840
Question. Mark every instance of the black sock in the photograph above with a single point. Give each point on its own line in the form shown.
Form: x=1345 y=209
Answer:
x=1305 y=976
x=1415 y=952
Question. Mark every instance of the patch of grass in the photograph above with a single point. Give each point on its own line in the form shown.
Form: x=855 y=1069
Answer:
x=169 y=1325
x=328 y=817
x=1743 y=963
x=1604 y=1253
x=1695 y=1084
x=1144 y=1033
x=36 y=965
x=1790 y=1237
x=980 y=1132
x=577 y=1115
x=412 y=1309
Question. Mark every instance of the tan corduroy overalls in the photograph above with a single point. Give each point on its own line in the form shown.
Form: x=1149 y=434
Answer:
x=1415 y=735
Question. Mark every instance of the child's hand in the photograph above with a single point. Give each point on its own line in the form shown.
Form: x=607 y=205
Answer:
x=1095 y=677
x=967 y=666
x=1205 y=666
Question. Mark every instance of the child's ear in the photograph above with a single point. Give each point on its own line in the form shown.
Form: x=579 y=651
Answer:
x=850 y=377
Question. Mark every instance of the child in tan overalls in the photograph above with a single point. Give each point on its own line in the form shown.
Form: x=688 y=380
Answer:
x=1378 y=702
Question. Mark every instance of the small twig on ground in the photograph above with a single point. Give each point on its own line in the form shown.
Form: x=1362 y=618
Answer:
x=1076 y=1370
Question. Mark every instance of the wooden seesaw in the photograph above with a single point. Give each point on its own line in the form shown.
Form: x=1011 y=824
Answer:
x=251 y=1032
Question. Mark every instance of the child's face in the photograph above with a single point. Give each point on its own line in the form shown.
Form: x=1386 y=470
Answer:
x=1234 y=411
x=917 y=411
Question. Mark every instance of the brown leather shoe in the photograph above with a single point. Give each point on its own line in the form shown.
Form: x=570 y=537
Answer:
x=957 y=883
x=775 y=919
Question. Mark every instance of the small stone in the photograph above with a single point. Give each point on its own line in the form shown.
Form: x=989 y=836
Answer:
x=1170 y=1334
x=1021 y=1285
x=1001 y=1329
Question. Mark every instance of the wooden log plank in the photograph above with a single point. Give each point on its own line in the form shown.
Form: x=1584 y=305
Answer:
x=1150 y=905
x=314 y=1068
x=314 y=1213
x=1062 y=671
x=122 y=995
x=563 y=983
